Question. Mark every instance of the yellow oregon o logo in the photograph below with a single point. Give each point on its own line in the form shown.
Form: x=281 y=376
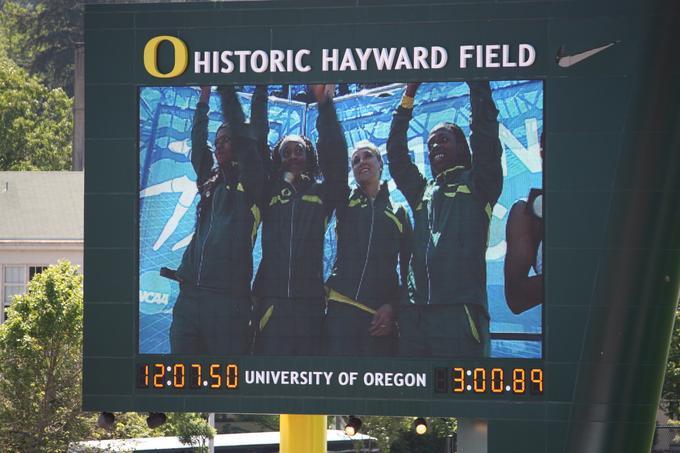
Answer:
x=151 y=53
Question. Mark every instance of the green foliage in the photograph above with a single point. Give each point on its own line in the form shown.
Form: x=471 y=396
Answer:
x=127 y=426
x=41 y=363
x=385 y=429
x=270 y=422
x=40 y=36
x=40 y=374
x=36 y=123
x=190 y=428
x=434 y=440
x=243 y=423
x=14 y=33
x=397 y=434
x=671 y=387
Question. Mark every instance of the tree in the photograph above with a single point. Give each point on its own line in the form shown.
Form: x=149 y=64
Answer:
x=397 y=434
x=128 y=425
x=41 y=35
x=41 y=363
x=438 y=429
x=36 y=123
x=13 y=33
x=670 y=394
x=40 y=374
x=384 y=429
x=243 y=423
x=191 y=428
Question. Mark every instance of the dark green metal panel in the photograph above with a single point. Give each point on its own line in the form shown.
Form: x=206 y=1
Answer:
x=612 y=182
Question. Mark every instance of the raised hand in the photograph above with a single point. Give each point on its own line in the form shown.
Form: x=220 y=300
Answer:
x=322 y=92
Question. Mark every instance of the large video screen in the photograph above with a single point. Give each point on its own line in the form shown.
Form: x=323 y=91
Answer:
x=378 y=220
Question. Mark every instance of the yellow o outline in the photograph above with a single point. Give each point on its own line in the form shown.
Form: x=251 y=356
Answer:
x=181 y=56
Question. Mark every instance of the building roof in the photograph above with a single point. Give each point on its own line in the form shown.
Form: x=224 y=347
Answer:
x=41 y=205
x=221 y=440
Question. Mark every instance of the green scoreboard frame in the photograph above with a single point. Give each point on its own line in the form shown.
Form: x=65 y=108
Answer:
x=612 y=227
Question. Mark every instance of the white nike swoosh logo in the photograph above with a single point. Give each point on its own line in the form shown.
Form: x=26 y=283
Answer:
x=565 y=61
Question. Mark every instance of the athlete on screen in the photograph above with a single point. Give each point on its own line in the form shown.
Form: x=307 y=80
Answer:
x=452 y=213
x=364 y=287
x=213 y=308
x=289 y=282
x=524 y=236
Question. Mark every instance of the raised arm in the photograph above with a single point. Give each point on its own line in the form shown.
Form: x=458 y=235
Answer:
x=260 y=124
x=232 y=112
x=201 y=155
x=250 y=170
x=405 y=173
x=332 y=148
x=486 y=146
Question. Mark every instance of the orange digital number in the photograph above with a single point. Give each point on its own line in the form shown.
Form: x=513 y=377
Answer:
x=497 y=380
x=158 y=375
x=537 y=378
x=518 y=380
x=479 y=380
x=146 y=375
x=199 y=378
x=232 y=376
x=215 y=374
x=178 y=375
x=458 y=380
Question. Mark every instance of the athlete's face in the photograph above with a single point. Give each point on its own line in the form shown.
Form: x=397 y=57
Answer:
x=293 y=155
x=366 y=167
x=223 y=150
x=442 y=150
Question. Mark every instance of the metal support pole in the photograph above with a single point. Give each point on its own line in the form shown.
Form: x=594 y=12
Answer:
x=78 y=149
x=211 y=422
x=303 y=433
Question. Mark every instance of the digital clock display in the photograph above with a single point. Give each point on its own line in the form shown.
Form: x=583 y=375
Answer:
x=188 y=375
x=457 y=380
x=485 y=380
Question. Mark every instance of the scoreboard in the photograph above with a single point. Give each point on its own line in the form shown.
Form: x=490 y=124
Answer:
x=529 y=277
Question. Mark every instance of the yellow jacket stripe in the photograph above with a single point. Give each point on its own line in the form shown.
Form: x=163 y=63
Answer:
x=460 y=189
x=265 y=318
x=354 y=202
x=256 y=222
x=396 y=220
x=335 y=296
x=312 y=199
x=473 y=326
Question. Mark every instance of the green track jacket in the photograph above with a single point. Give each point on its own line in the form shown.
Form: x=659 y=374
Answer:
x=452 y=212
x=373 y=238
x=295 y=217
x=219 y=256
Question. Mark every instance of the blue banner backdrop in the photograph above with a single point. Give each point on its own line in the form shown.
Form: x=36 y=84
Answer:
x=168 y=194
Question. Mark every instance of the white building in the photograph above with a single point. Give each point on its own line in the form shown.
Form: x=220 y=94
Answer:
x=41 y=222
